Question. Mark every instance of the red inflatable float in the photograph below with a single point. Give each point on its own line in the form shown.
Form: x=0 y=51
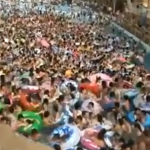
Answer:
x=92 y=87
x=26 y=105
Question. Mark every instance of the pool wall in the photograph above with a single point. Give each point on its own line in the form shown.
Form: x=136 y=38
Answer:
x=144 y=45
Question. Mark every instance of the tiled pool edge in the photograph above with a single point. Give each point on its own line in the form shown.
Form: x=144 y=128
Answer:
x=146 y=46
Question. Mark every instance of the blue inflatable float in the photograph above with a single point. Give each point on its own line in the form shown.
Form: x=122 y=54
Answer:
x=132 y=93
x=73 y=135
x=131 y=118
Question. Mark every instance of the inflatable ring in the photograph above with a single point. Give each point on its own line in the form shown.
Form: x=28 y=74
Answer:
x=71 y=131
x=132 y=93
x=65 y=83
x=146 y=124
x=92 y=87
x=88 y=144
x=37 y=122
x=25 y=104
x=86 y=141
x=30 y=89
x=131 y=117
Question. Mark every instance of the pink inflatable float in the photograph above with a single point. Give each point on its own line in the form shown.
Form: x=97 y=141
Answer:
x=86 y=141
x=30 y=89
x=88 y=144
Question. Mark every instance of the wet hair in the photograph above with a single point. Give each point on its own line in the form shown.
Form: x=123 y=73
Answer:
x=61 y=98
x=116 y=79
x=137 y=125
x=37 y=70
x=91 y=103
x=77 y=106
x=72 y=95
x=120 y=121
x=46 y=92
x=104 y=84
x=80 y=118
x=28 y=99
x=117 y=104
x=46 y=114
x=85 y=80
x=6 y=100
x=79 y=148
x=45 y=101
x=71 y=87
x=84 y=112
x=139 y=84
x=52 y=80
x=128 y=144
x=148 y=98
x=126 y=97
x=34 y=132
x=137 y=109
x=101 y=134
x=29 y=121
x=98 y=79
x=11 y=109
x=71 y=120
x=111 y=84
x=56 y=136
x=57 y=147
x=20 y=116
x=112 y=94
x=99 y=118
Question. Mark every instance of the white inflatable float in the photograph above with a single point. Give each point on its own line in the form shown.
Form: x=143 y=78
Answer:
x=72 y=132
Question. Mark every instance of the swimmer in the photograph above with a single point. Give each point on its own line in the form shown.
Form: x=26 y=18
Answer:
x=27 y=123
x=47 y=119
x=122 y=126
x=59 y=139
x=35 y=106
x=86 y=116
x=99 y=139
x=81 y=122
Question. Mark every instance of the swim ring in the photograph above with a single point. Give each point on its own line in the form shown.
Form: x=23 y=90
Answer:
x=87 y=143
x=145 y=107
x=30 y=89
x=25 y=104
x=65 y=115
x=146 y=123
x=92 y=87
x=96 y=108
x=131 y=118
x=66 y=83
x=131 y=93
x=37 y=122
x=73 y=133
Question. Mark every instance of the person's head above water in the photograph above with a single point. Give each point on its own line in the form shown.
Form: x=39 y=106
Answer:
x=57 y=147
x=20 y=117
x=101 y=134
x=71 y=120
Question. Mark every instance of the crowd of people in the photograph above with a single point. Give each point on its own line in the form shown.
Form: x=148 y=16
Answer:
x=55 y=72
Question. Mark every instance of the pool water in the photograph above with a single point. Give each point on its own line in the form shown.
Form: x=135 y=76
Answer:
x=64 y=9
